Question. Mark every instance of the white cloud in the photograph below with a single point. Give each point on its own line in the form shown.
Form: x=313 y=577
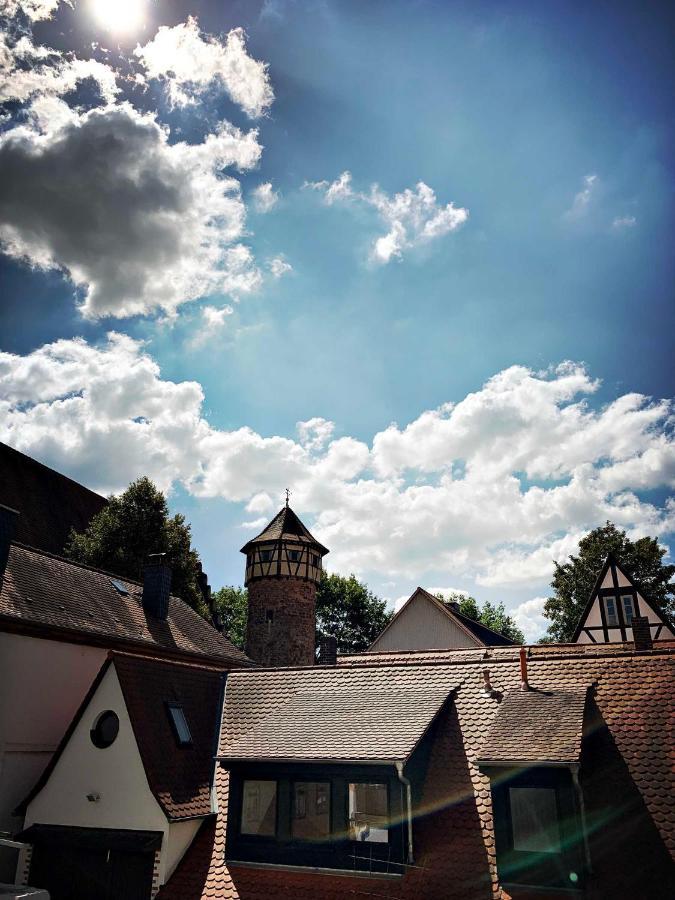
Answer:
x=191 y=62
x=583 y=198
x=529 y=617
x=137 y=222
x=278 y=266
x=540 y=467
x=622 y=222
x=411 y=218
x=265 y=198
x=213 y=320
x=34 y=10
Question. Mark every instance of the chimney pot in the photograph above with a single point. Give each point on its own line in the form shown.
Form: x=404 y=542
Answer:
x=8 y=520
x=523 y=669
x=157 y=586
x=642 y=634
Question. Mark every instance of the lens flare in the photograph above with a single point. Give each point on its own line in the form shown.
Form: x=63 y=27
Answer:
x=118 y=16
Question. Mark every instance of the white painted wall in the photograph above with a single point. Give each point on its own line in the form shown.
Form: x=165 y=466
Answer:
x=422 y=626
x=117 y=774
x=594 y=619
x=42 y=684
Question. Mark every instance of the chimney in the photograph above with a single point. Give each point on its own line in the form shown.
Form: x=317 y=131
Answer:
x=327 y=650
x=523 y=669
x=8 y=517
x=642 y=633
x=156 y=586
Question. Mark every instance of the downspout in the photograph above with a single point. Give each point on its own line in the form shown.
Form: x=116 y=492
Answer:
x=582 y=809
x=408 y=793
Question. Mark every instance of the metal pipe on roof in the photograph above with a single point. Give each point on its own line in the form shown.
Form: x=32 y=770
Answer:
x=523 y=669
x=408 y=788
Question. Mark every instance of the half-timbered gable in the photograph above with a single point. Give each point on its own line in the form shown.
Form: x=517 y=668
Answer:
x=613 y=604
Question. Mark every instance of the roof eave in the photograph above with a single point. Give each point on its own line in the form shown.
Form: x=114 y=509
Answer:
x=315 y=760
x=526 y=763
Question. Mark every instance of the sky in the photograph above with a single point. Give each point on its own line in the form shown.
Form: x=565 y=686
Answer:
x=411 y=260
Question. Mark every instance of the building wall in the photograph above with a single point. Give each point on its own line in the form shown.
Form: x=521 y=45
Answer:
x=289 y=638
x=116 y=774
x=422 y=626
x=42 y=685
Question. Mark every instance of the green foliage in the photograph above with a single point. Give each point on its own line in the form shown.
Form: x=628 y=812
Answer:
x=348 y=610
x=574 y=581
x=230 y=611
x=133 y=525
x=494 y=617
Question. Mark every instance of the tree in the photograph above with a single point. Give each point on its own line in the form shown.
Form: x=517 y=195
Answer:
x=348 y=610
x=494 y=617
x=129 y=528
x=574 y=581
x=230 y=612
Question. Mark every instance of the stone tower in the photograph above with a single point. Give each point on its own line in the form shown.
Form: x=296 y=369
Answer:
x=283 y=569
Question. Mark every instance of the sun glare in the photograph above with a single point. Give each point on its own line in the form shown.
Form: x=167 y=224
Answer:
x=119 y=16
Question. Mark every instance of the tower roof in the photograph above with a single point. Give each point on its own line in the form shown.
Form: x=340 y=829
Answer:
x=285 y=526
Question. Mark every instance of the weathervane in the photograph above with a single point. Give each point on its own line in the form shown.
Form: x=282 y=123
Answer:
x=288 y=496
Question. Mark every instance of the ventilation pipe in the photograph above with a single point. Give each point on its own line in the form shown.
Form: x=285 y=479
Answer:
x=408 y=797
x=523 y=670
x=157 y=586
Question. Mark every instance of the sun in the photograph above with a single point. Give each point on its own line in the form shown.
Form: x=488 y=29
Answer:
x=119 y=16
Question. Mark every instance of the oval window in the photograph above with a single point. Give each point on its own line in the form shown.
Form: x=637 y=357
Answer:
x=105 y=730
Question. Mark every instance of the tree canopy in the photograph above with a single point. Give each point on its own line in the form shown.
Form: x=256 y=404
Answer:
x=488 y=614
x=133 y=525
x=347 y=609
x=574 y=580
x=230 y=613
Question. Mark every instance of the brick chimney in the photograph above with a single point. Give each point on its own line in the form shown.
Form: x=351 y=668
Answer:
x=327 y=647
x=157 y=586
x=8 y=518
x=642 y=633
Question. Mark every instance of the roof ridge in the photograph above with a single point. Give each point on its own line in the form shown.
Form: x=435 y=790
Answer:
x=36 y=462
x=147 y=657
x=80 y=565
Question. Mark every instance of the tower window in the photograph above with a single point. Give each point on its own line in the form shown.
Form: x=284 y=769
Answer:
x=265 y=555
x=610 y=609
x=628 y=608
x=269 y=616
x=294 y=555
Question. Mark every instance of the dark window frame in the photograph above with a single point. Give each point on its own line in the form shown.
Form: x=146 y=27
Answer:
x=95 y=732
x=170 y=706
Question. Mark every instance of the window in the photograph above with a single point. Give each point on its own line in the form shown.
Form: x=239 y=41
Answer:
x=119 y=586
x=259 y=808
x=628 y=608
x=105 y=729
x=368 y=813
x=610 y=610
x=180 y=725
x=310 y=817
x=269 y=616
x=534 y=819
x=265 y=555
x=293 y=555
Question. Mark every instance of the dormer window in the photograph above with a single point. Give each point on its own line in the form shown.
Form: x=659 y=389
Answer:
x=179 y=723
x=610 y=611
x=628 y=608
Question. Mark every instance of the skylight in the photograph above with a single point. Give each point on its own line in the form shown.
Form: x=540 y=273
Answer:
x=119 y=586
x=180 y=725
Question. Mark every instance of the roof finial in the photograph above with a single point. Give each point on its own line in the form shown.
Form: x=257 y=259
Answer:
x=288 y=497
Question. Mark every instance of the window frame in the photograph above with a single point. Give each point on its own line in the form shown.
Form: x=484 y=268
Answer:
x=622 y=598
x=613 y=618
x=172 y=705
x=258 y=838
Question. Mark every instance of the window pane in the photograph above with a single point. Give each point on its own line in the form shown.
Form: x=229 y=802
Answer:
x=311 y=810
x=368 y=813
x=534 y=820
x=627 y=608
x=180 y=724
x=610 y=606
x=259 y=808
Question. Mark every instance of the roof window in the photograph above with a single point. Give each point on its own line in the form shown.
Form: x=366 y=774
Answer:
x=119 y=586
x=180 y=725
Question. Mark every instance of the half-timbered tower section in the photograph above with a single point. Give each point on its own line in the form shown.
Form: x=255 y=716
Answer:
x=283 y=569
x=612 y=608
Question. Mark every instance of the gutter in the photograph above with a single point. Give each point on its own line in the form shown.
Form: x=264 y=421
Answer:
x=582 y=810
x=408 y=789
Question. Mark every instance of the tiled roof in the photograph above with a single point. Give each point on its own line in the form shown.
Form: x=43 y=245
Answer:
x=537 y=726
x=179 y=776
x=54 y=597
x=288 y=527
x=49 y=503
x=330 y=713
x=454 y=839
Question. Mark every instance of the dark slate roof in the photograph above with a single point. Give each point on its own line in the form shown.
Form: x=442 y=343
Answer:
x=485 y=635
x=285 y=526
x=53 y=597
x=328 y=713
x=537 y=726
x=632 y=693
x=49 y=503
x=180 y=777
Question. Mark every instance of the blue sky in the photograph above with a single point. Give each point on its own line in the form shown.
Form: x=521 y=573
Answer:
x=549 y=129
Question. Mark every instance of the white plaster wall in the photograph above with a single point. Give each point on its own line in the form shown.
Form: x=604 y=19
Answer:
x=594 y=616
x=181 y=835
x=422 y=626
x=42 y=684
